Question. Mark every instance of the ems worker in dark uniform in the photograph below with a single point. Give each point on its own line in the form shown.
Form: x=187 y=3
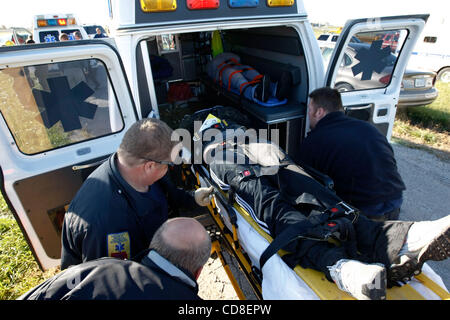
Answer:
x=123 y=202
x=169 y=271
x=355 y=155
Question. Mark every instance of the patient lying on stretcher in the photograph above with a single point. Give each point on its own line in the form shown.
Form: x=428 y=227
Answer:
x=288 y=203
x=226 y=70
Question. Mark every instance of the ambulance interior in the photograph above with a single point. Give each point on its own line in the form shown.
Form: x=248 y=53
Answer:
x=182 y=85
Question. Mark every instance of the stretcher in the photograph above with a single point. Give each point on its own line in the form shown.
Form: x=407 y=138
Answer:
x=246 y=240
x=271 y=102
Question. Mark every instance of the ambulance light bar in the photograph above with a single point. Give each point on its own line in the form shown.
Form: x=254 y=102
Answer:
x=202 y=4
x=158 y=5
x=280 y=3
x=56 y=22
x=243 y=3
x=171 y=5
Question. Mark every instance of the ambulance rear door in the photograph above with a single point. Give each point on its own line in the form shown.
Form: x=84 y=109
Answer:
x=64 y=109
x=368 y=70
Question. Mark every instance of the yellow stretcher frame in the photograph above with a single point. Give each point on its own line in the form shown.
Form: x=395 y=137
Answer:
x=316 y=280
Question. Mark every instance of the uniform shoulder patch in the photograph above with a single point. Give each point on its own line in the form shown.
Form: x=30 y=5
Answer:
x=119 y=245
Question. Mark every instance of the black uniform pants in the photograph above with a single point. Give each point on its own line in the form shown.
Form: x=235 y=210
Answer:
x=274 y=200
x=377 y=242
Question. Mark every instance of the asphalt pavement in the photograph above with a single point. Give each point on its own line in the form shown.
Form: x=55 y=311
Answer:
x=427 y=195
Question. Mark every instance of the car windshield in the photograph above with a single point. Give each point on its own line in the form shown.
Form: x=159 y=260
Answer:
x=92 y=29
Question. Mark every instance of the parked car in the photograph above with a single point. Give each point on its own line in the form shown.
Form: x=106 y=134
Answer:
x=327 y=38
x=417 y=86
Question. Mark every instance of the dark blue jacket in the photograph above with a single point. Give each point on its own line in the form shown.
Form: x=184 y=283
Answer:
x=108 y=218
x=356 y=156
x=155 y=278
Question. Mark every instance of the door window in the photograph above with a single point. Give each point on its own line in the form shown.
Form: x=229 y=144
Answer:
x=70 y=33
x=54 y=105
x=22 y=35
x=369 y=60
x=49 y=36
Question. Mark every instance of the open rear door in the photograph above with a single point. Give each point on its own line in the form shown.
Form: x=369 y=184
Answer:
x=64 y=108
x=368 y=63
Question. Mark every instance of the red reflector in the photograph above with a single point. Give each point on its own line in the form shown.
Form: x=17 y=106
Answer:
x=246 y=173
x=334 y=210
x=332 y=224
x=202 y=4
x=385 y=79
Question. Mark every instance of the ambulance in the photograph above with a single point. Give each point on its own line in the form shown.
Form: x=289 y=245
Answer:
x=432 y=52
x=65 y=106
x=48 y=27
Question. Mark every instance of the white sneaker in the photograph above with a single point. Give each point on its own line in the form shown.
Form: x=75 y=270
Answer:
x=363 y=281
x=426 y=240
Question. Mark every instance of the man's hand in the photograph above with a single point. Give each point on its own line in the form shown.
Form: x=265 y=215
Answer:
x=203 y=196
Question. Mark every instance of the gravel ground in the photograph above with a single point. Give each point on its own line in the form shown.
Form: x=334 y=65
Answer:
x=427 y=197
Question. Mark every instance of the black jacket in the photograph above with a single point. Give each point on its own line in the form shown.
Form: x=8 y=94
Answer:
x=356 y=156
x=155 y=278
x=108 y=218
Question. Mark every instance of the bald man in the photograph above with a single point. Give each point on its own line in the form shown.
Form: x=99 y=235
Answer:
x=169 y=271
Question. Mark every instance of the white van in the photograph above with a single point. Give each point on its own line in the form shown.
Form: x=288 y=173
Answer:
x=48 y=27
x=65 y=106
x=432 y=52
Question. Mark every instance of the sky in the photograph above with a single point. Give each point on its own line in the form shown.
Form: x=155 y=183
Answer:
x=20 y=13
x=337 y=12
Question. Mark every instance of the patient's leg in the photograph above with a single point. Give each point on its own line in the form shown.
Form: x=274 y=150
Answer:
x=317 y=255
x=381 y=241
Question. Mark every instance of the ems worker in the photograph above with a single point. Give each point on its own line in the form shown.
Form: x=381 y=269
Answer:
x=169 y=271
x=123 y=202
x=355 y=155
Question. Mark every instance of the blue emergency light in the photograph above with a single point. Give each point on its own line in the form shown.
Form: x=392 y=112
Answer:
x=243 y=3
x=52 y=22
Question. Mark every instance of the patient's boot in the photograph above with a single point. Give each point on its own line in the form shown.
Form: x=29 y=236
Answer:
x=283 y=86
x=426 y=240
x=363 y=281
